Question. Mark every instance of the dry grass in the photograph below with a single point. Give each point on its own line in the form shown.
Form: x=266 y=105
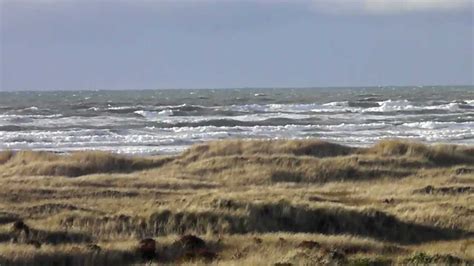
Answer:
x=314 y=148
x=253 y=202
x=77 y=164
x=439 y=155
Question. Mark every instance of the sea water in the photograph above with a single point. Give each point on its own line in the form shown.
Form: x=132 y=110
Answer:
x=168 y=121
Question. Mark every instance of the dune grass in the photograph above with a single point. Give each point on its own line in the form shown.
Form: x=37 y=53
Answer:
x=253 y=202
x=76 y=164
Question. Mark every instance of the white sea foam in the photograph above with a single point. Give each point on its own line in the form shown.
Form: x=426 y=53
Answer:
x=151 y=115
x=343 y=106
x=437 y=125
x=405 y=105
x=122 y=107
x=125 y=141
x=155 y=125
x=338 y=104
x=294 y=108
x=166 y=112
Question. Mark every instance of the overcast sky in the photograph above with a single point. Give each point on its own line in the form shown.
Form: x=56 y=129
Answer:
x=145 y=44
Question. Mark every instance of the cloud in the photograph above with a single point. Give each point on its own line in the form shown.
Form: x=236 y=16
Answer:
x=384 y=6
x=389 y=6
x=321 y=6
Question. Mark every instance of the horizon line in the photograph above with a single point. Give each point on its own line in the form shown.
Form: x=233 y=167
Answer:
x=244 y=87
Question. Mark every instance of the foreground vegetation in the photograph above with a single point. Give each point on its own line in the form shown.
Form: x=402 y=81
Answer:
x=243 y=203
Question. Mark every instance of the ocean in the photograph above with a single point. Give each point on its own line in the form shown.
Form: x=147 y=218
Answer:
x=149 y=122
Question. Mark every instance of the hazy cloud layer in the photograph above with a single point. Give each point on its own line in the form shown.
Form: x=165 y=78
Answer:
x=389 y=6
x=123 y=44
x=327 y=6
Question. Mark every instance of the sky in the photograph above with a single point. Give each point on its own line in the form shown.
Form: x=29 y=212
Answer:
x=146 y=44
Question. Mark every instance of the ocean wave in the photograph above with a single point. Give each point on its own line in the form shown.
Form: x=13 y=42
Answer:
x=147 y=123
x=31 y=108
x=337 y=104
x=405 y=105
x=236 y=123
x=347 y=106
x=154 y=137
x=388 y=106
x=123 y=109
x=11 y=128
x=292 y=108
x=154 y=115
x=18 y=116
x=186 y=108
x=25 y=140
x=118 y=108
x=363 y=104
x=357 y=106
x=60 y=122
x=466 y=106
x=166 y=112
x=439 y=125
x=361 y=126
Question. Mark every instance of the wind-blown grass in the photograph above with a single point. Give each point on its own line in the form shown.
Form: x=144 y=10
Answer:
x=75 y=164
x=253 y=202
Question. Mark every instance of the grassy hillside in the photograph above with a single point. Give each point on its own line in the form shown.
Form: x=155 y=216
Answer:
x=251 y=202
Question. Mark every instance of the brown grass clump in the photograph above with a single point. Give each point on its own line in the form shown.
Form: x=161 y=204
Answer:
x=5 y=156
x=75 y=164
x=238 y=202
x=440 y=154
x=314 y=148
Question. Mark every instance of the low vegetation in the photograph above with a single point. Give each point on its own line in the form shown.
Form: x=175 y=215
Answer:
x=241 y=202
x=81 y=163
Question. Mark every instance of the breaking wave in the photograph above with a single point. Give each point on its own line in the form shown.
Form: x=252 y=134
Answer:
x=169 y=122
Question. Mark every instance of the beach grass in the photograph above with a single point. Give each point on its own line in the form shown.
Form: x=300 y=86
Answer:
x=253 y=202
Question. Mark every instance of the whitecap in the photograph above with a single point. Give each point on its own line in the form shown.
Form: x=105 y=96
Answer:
x=391 y=105
x=166 y=112
x=154 y=115
x=439 y=125
x=337 y=104
x=112 y=108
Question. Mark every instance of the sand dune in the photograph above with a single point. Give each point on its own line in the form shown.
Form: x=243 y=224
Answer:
x=252 y=202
